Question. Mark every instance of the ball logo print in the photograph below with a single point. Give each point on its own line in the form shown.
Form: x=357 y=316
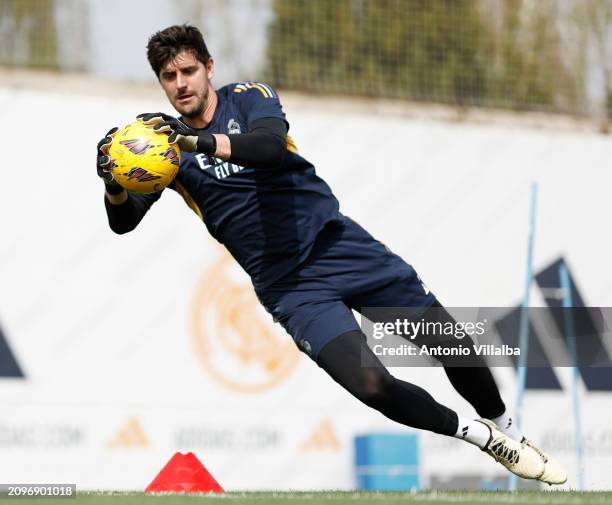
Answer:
x=171 y=155
x=235 y=339
x=141 y=175
x=137 y=146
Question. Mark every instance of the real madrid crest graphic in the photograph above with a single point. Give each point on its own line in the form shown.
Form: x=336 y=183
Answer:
x=233 y=126
x=235 y=338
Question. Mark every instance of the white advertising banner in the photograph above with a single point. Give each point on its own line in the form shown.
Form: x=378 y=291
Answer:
x=121 y=350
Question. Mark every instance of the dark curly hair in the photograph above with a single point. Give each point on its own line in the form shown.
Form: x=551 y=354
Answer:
x=165 y=45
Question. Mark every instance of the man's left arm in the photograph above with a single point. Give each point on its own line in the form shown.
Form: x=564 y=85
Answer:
x=264 y=146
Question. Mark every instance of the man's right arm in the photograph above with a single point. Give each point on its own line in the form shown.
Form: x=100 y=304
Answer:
x=125 y=210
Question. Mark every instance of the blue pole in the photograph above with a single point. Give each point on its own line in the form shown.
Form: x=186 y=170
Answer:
x=571 y=344
x=524 y=323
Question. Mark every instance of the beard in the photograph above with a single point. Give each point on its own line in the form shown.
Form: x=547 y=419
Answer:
x=192 y=111
x=196 y=109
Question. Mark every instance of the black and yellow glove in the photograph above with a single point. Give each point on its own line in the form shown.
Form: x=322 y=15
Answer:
x=103 y=163
x=187 y=138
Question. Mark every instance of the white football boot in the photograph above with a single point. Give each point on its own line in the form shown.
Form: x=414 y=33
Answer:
x=554 y=473
x=517 y=457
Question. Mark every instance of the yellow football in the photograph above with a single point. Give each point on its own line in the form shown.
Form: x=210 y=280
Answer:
x=142 y=160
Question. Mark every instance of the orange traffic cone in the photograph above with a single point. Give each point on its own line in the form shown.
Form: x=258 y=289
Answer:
x=184 y=473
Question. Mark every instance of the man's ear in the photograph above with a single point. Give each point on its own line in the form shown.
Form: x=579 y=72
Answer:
x=210 y=68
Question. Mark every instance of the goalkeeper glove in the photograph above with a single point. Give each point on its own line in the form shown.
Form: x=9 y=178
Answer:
x=103 y=163
x=187 y=138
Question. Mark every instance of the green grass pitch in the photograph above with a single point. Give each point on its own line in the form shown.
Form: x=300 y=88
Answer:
x=335 y=498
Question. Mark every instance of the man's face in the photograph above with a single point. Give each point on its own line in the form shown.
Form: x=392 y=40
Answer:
x=186 y=81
